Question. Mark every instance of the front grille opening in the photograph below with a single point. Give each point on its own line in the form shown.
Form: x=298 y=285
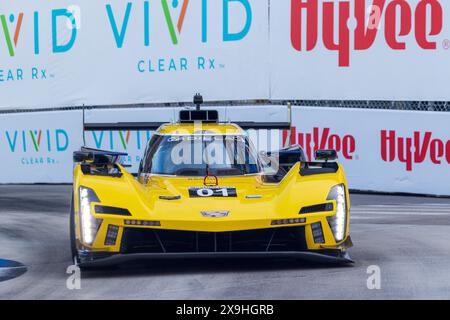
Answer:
x=324 y=207
x=136 y=240
x=111 y=210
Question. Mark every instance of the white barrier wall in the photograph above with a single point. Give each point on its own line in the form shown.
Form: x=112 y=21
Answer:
x=360 y=50
x=387 y=151
x=84 y=52
x=37 y=147
x=102 y=52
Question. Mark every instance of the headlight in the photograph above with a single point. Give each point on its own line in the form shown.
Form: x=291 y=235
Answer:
x=89 y=224
x=338 y=222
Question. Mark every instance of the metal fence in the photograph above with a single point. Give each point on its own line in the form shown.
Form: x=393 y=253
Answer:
x=436 y=106
x=431 y=106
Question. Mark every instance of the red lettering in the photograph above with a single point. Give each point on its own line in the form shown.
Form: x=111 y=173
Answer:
x=388 y=145
x=349 y=147
x=436 y=151
x=390 y=30
x=401 y=147
x=421 y=148
x=322 y=139
x=447 y=151
x=428 y=14
x=334 y=143
x=365 y=37
x=421 y=22
x=311 y=7
x=404 y=152
x=343 y=44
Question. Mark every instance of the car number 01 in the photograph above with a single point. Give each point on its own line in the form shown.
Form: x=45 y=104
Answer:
x=212 y=192
x=209 y=193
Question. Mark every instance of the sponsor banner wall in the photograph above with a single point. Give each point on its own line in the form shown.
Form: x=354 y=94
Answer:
x=387 y=151
x=37 y=147
x=81 y=52
x=360 y=50
x=102 y=52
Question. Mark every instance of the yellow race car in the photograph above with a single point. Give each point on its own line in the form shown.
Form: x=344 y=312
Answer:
x=203 y=190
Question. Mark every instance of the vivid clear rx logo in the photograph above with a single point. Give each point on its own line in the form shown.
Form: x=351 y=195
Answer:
x=124 y=139
x=170 y=21
x=11 y=42
x=37 y=140
x=174 y=21
x=120 y=140
x=24 y=26
x=13 y=30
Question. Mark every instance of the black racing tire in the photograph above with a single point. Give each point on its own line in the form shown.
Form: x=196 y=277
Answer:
x=73 y=245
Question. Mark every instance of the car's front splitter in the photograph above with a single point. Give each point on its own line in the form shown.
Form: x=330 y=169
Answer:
x=101 y=259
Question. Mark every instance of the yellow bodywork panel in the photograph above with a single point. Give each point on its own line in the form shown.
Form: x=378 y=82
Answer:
x=256 y=205
x=190 y=129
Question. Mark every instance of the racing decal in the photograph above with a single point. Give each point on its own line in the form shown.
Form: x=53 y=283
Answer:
x=212 y=192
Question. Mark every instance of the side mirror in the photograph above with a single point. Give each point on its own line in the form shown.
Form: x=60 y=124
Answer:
x=326 y=155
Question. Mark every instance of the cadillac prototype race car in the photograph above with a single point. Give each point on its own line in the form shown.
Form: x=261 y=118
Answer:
x=182 y=204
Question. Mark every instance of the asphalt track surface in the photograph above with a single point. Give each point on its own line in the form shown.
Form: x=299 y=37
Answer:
x=408 y=238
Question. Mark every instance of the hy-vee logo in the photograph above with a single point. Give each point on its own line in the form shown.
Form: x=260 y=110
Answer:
x=414 y=150
x=400 y=17
x=321 y=139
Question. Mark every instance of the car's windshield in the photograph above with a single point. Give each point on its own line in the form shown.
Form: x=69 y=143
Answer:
x=200 y=155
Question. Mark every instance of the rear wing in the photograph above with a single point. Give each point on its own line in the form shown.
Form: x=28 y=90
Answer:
x=122 y=126
x=264 y=125
x=155 y=125
x=93 y=158
x=193 y=114
x=186 y=116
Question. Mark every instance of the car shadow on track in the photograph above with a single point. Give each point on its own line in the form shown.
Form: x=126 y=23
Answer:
x=162 y=267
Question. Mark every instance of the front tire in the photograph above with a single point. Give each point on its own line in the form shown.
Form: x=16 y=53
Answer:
x=73 y=245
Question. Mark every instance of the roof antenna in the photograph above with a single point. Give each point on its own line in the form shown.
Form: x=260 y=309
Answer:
x=84 y=132
x=198 y=101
